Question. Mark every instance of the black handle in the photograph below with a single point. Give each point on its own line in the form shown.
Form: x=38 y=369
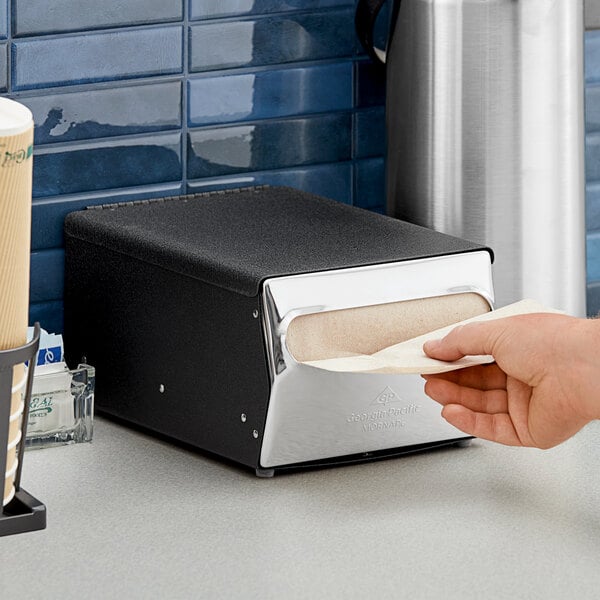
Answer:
x=366 y=15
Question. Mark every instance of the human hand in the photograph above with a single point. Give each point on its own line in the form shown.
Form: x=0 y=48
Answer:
x=542 y=389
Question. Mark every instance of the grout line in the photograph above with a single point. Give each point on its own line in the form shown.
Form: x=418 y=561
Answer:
x=353 y=144
x=9 y=50
x=281 y=14
x=109 y=29
x=184 y=95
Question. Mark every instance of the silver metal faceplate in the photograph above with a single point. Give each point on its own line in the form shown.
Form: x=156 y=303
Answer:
x=315 y=414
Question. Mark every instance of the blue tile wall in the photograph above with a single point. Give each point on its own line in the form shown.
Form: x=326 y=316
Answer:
x=31 y=17
x=210 y=9
x=73 y=59
x=270 y=94
x=592 y=167
x=3 y=67
x=151 y=98
x=369 y=132
x=592 y=56
x=592 y=99
x=92 y=113
x=272 y=40
x=332 y=181
x=369 y=189
x=3 y=19
x=47 y=275
x=49 y=214
x=104 y=164
x=269 y=144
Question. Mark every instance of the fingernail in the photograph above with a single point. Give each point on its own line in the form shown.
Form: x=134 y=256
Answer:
x=431 y=346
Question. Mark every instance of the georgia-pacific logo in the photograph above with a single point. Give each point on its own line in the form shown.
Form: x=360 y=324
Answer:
x=386 y=397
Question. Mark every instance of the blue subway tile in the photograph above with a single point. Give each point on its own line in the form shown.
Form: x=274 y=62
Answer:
x=592 y=156
x=593 y=256
x=269 y=145
x=273 y=93
x=212 y=9
x=50 y=315
x=3 y=67
x=592 y=56
x=48 y=214
x=116 y=163
x=33 y=17
x=369 y=187
x=593 y=299
x=593 y=206
x=3 y=19
x=47 y=275
x=331 y=181
x=95 y=113
x=103 y=56
x=592 y=111
x=369 y=132
x=369 y=84
x=271 y=40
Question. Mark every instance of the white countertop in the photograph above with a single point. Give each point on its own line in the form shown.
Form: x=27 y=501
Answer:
x=130 y=517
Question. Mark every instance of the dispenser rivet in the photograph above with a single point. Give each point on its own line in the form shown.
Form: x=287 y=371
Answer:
x=255 y=434
x=161 y=388
x=255 y=313
x=243 y=417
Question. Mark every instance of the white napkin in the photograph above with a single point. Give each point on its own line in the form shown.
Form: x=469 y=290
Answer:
x=408 y=356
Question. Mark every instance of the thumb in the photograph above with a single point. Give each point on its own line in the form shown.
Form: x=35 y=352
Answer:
x=467 y=340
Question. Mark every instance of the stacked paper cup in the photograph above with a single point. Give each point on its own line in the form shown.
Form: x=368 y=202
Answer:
x=16 y=149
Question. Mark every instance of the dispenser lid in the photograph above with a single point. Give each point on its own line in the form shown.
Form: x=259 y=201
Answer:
x=238 y=238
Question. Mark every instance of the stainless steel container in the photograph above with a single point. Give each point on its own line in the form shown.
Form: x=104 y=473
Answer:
x=485 y=127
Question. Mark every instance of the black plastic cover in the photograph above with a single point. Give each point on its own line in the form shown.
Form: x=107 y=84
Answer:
x=236 y=239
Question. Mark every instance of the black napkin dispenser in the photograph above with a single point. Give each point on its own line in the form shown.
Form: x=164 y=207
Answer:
x=185 y=305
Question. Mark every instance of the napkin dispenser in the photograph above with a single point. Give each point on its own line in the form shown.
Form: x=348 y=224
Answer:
x=200 y=311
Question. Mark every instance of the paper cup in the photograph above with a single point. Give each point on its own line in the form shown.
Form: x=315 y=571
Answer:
x=14 y=434
x=12 y=460
x=9 y=488
x=18 y=414
x=14 y=437
x=11 y=456
x=18 y=388
x=16 y=141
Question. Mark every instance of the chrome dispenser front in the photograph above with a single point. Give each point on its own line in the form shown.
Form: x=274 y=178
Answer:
x=317 y=415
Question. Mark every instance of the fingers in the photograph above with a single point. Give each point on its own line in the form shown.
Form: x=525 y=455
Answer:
x=495 y=427
x=481 y=412
x=481 y=377
x=448 y=392
x=464 y=340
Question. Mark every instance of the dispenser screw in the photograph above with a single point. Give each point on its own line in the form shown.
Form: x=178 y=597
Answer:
x=243 y=417
x=255 y=434
x=161 y=388
x=255 y=313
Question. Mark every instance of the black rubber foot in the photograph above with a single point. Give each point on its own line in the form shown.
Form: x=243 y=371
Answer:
x=265 y=473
